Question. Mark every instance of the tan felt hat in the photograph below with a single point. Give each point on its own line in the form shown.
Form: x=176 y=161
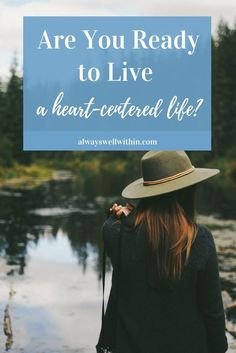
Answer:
x=165 y=171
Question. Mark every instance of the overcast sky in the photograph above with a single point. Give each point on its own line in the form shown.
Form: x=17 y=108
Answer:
x=12 y=12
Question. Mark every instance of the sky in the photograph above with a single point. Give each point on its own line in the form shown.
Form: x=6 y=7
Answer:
x=12 y=12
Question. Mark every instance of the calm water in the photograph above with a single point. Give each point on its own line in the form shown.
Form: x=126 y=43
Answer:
x=50 y=261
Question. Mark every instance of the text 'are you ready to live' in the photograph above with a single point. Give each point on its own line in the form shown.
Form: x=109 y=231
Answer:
x=138 y=39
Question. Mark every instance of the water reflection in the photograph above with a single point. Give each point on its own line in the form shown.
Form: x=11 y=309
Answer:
x=50 y=208
x=51 y=244
x=51 y=251
x=75 y=208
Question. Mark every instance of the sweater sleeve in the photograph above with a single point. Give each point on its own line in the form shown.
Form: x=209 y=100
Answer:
x=110 y=234
x=210 y=300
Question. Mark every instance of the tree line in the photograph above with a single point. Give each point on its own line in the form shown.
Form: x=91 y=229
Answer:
x=223 y=109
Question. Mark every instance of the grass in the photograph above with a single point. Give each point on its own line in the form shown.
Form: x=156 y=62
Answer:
x=22 y=175
x=43 y=170
x=85 y=165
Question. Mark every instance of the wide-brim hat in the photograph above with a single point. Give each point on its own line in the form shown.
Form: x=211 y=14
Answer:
x=163 y=172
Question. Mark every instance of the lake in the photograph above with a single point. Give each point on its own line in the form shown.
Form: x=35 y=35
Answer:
x=51 y=253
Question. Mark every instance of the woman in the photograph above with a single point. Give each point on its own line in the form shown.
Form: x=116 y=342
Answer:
x=165 y=295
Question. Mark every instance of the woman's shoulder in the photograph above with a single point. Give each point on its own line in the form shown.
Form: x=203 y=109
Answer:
x=111 y=225
x=202 y=248
x=204 y=236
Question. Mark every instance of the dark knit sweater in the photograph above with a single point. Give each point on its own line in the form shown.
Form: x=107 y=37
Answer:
x=153 y=317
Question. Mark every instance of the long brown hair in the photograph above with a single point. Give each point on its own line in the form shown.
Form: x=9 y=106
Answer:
x=169 y=220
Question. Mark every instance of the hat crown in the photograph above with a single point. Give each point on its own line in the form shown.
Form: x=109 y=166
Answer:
x=156 y=165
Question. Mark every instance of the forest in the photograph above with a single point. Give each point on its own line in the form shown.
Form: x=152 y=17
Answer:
x=14 y=162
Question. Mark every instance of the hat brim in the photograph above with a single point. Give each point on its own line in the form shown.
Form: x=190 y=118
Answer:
x=136 y=190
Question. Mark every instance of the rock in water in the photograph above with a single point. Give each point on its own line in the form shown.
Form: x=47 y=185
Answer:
x=7 y=327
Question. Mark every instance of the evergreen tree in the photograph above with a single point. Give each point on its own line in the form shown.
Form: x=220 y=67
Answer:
x=13 y=119
x=6 y=157
x=224 y=89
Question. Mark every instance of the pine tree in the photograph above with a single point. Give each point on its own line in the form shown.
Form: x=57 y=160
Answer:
x=224 y=89
x=6 y=157
x=13 y=120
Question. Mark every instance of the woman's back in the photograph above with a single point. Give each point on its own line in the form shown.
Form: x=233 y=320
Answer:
x=154 y=316
x=165 y=295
